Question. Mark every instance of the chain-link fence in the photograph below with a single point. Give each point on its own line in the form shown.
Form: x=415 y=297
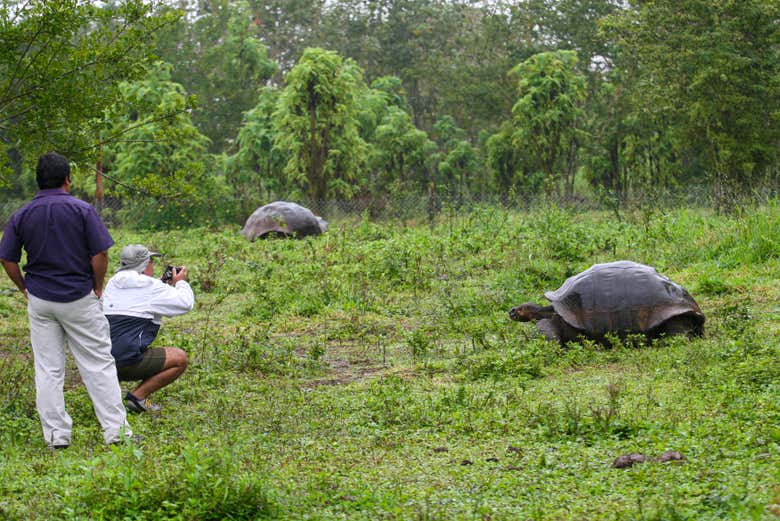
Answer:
x=429 y=206
x=130 y=212
x=119 y=213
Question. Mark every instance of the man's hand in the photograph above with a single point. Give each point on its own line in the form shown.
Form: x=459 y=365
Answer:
x=15 y=274
x=180 y=274
x=99 y=266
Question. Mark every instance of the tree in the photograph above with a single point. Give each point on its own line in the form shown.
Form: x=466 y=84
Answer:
x=549 y=105
x=711 y=71
x=287 y=27
x=317 y=125
x=509 y=168
x=450 y=55
x=156 y=151
x=256 y=170
x=573 y=25
x=374 y=102
x=218 y=56
x=401 y=151
x=399 y=37
x=61 y=62
x=396 y=149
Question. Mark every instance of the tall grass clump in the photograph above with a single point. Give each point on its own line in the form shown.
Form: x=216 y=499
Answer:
x=560 y=236
x=750 y=238
x=193 y=482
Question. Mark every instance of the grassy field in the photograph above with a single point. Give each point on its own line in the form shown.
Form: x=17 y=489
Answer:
x=373 y=373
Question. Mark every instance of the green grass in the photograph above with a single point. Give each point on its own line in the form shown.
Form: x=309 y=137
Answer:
x=373 y=373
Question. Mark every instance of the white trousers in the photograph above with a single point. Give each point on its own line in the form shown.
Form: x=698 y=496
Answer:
x=82 y=325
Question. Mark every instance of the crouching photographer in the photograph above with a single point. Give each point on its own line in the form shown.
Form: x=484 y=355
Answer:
x=134 y=303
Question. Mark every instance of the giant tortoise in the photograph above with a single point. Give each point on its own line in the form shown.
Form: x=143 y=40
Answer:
x=618 y=298
x=285 y=219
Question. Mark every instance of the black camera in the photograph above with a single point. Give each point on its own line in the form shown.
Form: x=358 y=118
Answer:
x=167 y=275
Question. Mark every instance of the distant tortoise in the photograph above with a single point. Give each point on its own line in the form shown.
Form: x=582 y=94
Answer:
x=284 y=219
x=620 y=298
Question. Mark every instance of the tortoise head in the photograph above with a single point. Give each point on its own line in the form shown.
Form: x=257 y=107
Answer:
x=527 y=312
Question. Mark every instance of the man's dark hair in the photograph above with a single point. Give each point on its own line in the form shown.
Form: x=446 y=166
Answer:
x=52 y=170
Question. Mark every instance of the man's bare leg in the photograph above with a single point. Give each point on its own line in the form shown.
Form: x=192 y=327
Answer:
x=175 y=365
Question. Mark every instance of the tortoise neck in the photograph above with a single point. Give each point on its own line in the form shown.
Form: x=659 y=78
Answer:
x=546 y=311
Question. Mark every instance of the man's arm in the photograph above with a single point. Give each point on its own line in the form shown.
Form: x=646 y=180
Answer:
x=15 y=274
x=99 y=267
x=172 y=299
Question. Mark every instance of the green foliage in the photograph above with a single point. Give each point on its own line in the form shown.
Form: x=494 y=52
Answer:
x=461 y=170
x=155 y=150
x=458 y=165
x=754 y=238
x=546 y=116
x=219 y=57
x=153 y=139
x=562 y=237
x=521 y=363
x=721 y=93
x=255 y=171
x=629 y=152
x=317 y=125
x=17 y=394
x=392 y=88
x=632 y=115
x=400 y=152
x=61 y=63
x=511 y=170
x=447 y=133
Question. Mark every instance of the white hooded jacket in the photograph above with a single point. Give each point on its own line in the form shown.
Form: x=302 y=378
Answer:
x=134 y=294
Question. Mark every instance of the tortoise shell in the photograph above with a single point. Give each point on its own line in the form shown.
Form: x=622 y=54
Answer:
x=621 y=296
x=283 y=218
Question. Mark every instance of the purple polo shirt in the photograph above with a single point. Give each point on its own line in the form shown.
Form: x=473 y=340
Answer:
x=60 y=234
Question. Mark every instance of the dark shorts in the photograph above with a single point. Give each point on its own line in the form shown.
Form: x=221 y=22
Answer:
x=152 y=363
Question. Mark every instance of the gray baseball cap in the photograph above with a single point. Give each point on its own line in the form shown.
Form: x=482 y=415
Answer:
x=135 y=257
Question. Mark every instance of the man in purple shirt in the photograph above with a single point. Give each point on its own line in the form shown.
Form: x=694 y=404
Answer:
x=67 y=256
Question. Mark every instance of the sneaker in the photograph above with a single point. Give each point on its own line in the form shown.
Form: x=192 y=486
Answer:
x=133 y=404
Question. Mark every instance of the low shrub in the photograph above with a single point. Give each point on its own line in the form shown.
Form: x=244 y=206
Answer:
x=194 y=482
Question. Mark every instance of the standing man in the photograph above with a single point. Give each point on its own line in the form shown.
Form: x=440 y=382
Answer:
x=135 y=302
x=67 y=256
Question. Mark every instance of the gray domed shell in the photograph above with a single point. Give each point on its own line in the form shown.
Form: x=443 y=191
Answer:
x=621 y=296
x=283 y=218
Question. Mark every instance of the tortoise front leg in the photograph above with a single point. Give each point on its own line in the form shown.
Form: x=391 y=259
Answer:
x=680 y=325
x=557 y=330
x=549 y=329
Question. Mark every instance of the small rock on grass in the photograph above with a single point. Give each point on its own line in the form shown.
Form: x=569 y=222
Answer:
x=628 y=460
x=671 y=456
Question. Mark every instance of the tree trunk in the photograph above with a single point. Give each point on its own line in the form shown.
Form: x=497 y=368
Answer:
x=99 y=182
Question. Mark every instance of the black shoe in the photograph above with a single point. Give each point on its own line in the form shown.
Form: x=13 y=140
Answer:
x=133 y=404
x=60 y=446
